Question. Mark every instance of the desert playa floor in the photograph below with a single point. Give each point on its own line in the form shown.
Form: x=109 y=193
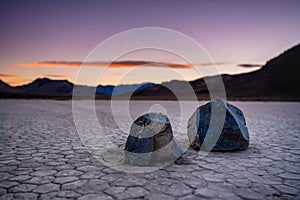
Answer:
x=41 y=157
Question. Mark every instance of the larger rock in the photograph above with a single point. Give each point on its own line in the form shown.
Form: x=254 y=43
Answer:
x=232 y=136
x=150 y=141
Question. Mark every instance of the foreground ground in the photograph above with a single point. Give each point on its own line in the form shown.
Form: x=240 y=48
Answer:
x=41 y=157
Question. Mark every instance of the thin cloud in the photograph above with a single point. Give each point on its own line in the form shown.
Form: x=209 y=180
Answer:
x=118 y=64
x=249 y=65
x=51 y=64
x=8 y=75
x=212 y=64
x=55 y=75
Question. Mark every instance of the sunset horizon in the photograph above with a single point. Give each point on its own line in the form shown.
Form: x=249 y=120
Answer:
x=48 y=44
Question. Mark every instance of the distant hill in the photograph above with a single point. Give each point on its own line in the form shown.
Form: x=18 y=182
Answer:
x=110 y=90
x=278 y=79
x=8 y=91
x=47 y=87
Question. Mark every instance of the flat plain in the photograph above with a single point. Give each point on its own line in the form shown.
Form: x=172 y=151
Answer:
x=42 y=156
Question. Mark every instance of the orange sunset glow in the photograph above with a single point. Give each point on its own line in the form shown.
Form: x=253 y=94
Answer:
x=36 y=44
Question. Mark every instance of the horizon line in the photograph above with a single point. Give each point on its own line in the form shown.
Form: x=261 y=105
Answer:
x=72 y=82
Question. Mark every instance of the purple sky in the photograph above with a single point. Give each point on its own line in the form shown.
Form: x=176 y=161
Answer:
x=234 y=32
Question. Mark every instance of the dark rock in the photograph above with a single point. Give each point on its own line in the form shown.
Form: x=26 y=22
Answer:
x=151 y=140
x=232 y=136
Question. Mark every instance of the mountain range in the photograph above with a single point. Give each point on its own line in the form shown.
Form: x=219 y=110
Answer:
x=278 y=80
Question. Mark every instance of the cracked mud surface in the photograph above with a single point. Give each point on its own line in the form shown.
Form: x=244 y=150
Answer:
x=41 y=157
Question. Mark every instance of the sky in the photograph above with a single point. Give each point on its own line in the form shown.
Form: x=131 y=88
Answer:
x=51 y=38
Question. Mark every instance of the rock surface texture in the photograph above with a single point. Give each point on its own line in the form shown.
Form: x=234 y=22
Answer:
x=207 y=134
x=151 y=141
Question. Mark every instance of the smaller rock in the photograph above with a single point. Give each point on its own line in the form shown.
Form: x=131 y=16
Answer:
x=151 y=141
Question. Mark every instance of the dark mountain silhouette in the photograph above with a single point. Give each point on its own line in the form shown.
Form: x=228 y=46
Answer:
x=4 y=87
x=7 y=90
x=47 y=87
x=278 y=79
